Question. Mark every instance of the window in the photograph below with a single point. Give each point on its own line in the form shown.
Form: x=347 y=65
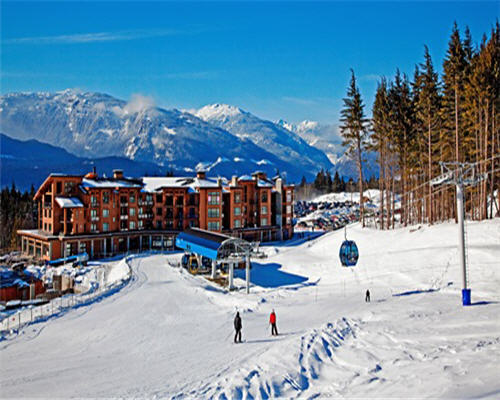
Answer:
x=93 y=200
x=132 y=224
x=105 y=197
x=105 y=227
x=132 y=212
x=158 y=224
x=123 y=224
x=141 y=223
x=213 y=213
x=132 y=198
x=158 y=211
x=59 y=187
x=214 y=198
x=93 y=227
x=93 y=214
x=288 y=209
x=288 y=221
x=159 y=197
x=123 y=199
x=237 y=211
x=237 y=223
x=264 y=197
x=263 y=210
x=237 y=197
x=263 y=222
x=213 y=226
x=68 y=187
x=149 y=198
x=105 y=213
x=141 y=211
x=288 y=196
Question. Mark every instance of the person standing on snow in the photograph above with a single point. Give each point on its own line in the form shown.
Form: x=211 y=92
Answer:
x=367 y=296
x=237 y=328
x=272 y=321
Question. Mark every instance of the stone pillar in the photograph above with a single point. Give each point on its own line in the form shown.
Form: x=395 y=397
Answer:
x=104 y=249
x=92 y=248
x=214 y=266
x=128 y=243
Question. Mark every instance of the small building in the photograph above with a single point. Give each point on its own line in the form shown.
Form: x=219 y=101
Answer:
x=19 y=286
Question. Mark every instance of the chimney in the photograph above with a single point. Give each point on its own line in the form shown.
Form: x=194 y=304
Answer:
x=219 y=182
x=201 y=174
x=234 y=180
x=118 y=174
x=279 y=185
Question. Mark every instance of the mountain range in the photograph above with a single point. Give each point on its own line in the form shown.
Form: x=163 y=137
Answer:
x=219 y=138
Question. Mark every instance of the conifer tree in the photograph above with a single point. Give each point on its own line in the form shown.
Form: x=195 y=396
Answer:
x=354 y=132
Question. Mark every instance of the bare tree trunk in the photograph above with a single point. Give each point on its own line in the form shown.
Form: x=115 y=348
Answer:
x=360 y=172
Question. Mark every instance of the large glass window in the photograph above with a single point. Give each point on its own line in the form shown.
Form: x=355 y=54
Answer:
x=237 y=197
x=288 y=209
x=132 y=224
x=105 y=213
x=263 y=210
x=237 y=210
x=237 y=223
x=263 y=222
x=105 y=227
x=213 y=213
x=105 y=197
x=214 y=198
x=132 y=198
x=132 y=212
x=288 y=196
x=264 y=197
x=213 y=226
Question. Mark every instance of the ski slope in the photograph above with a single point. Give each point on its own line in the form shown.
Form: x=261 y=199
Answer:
x=169 y=334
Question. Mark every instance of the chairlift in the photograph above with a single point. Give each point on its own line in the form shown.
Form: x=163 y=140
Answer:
x=348 y=253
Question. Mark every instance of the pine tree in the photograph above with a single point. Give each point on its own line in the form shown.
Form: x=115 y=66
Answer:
x=354 y=132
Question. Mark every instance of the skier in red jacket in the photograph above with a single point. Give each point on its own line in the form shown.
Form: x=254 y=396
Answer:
x=272 y=321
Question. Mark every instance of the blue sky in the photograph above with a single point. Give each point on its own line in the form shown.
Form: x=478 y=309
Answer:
x=287 y=60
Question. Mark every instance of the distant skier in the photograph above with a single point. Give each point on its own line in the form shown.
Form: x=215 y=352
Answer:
x=237 y=328
x=272 y=321
x=367 y=296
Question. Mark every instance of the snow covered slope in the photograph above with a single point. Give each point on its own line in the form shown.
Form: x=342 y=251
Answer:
x=98 y=125
x=275 y=138
x=169 y=334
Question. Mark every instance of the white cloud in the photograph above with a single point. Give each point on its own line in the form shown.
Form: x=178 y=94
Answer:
x=92 y=37
x=300 y=101
x=138 y=103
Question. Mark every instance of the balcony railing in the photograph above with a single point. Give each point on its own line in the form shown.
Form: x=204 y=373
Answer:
x=94 y=218
x=123 y=204
x=122 y=217
x=94 y=204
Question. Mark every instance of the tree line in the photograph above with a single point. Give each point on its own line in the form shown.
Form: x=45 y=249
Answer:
x=17 y=211
x=421 y=122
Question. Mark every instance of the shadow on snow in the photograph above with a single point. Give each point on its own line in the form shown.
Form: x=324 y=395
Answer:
x=270 y=276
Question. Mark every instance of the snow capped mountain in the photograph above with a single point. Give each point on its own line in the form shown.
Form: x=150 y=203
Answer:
x=99 y=125
x=327 y=139
x=268 y=135
x=324 y=137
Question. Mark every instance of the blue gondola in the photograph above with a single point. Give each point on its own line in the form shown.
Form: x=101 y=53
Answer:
x=349 y=252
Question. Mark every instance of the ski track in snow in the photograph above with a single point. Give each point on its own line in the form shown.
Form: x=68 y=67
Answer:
x=169 y=334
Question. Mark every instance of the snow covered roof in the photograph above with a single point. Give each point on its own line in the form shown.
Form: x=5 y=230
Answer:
x=245 y=178
x=109 y=183
x=262 y=183
x=69 y=202
x=153 y=184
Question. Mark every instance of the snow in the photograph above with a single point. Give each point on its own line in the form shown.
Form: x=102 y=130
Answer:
x=152 y=184
x=69 y=202
x=104 y=183
x=169 y=334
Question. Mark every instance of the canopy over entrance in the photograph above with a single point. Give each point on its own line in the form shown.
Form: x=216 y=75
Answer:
x=217 y=247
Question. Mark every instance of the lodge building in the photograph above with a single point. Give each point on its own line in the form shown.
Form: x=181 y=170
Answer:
x=106 y=216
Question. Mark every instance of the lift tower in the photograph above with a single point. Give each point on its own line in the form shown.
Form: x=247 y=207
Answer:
x=460 y=175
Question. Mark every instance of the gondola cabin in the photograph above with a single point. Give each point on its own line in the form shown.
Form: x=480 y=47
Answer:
x=349 y=253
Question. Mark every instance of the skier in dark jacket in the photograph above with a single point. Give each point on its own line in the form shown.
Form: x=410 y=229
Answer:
x=367 y=296
x=272 y=321
x=237 y=328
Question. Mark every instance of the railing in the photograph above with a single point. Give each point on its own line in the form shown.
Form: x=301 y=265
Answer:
x=123 y=204
x=122 y=217
x=94 y=204
x=94 y=218
x=11 y=325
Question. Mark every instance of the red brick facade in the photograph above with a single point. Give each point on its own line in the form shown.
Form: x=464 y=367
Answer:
x=106 y=216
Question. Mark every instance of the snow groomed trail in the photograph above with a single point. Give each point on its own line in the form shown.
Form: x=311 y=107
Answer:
x=169 y=334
